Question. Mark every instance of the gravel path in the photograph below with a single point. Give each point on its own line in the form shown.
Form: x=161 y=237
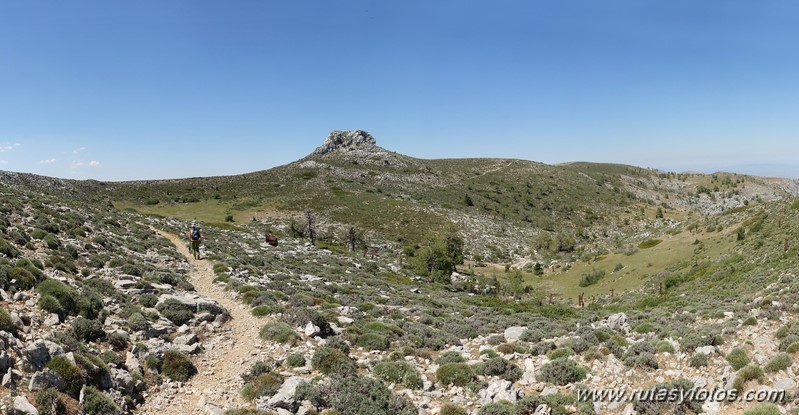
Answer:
x=229 y=351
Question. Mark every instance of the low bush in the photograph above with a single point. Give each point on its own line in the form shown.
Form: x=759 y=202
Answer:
x=400 y=372
x=6 y=322
x=66 y=297
x=301 y=316
x=664 y=347
x=138 y=322
x=591 y=278
x=558 y=353
x=779 y=362
x=498 y=408
x=177 y=366
x=653 y=404
x=649 y=243
x=738 y=358
x=450 y=357
x=561 y=372
x=258 y=368
x=332 y=361
x=502 y=368
x=763 y=409
x=265 y=384
x=50 y=401
x=70 y=373
x=356 y=395
x=88 y=330
x=698 y=360
x=175 y=311
x=458 y=374
x=265 y=310
x=97 y=403
x=373 y=341
x=751 y=372
x=750 y=321
x=148 y=300
x=449 y=409
x=279 y=332
x=295 y=360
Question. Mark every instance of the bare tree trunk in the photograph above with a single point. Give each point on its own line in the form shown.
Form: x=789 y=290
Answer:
x=351 y=239
x=309 y=223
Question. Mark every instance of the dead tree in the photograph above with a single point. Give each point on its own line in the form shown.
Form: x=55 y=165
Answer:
x=351 y=237
x=309 y=226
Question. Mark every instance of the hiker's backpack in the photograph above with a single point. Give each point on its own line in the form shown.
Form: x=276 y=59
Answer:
x=195 y=234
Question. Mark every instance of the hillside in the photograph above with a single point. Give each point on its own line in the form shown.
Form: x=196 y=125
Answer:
x=102 y=311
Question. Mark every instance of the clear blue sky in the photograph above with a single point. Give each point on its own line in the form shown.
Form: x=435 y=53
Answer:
x=119 y=90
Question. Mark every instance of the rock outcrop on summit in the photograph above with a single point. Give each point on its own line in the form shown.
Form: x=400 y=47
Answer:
x=346 y=141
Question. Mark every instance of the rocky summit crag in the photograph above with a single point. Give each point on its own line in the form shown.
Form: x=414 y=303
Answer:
x=346 y=141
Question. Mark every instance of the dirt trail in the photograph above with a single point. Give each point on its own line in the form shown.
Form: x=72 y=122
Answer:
x=229 y=351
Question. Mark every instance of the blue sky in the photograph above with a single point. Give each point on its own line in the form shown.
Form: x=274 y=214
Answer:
x=167 y=89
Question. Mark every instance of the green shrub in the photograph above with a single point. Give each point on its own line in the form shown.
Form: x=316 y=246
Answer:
x=649 y=243
x=264 y=310
x=119 y=340
x=177 y=366
x=449 y=409
x=373 y=341
x=458 y=374
x=489 y=353
x=137 y=322
x=51 y=305
x=655 y=405
x=300 y=316
x=66 y=296
x=279 y=332
x=698 y=360
x=746 y=374
x=51 y=241
x=330 y=361
x=88 y=330
x=450 y=357
x=762 y=409
x=265 y=384
x=6 y=323
x=70 y=373
x=175 y=311
x=295 y=360
x=779 y=362
x=148 y=300
x=644 y=328
x=664 y=347
x=96 y=403
x=558 y=353
x=498 y=408
x=562 y=372
x=258 y=368
x=503 y=368
x=50 y=401
x=400 y=372
x=750 y=321
x=793 y=347
x=357 y=395
x=8 y=249
x=591 y=278
x=738 y=358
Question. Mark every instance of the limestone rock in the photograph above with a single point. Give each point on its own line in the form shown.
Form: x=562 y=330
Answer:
x=499 y=390
x=46 y=379
x=345 y=141
x=513 y=334
x=284 y=398
x=22 y=406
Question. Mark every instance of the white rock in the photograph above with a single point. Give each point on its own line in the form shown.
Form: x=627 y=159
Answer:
x=514 y=334
x=22 y=405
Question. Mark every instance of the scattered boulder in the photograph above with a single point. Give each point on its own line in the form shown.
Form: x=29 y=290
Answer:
x=499 y=390
x=514 y=334
x=22 y=406
x=284 y=398
x=44 y=379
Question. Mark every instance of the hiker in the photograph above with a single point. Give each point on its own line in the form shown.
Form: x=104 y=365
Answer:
x=195 y=238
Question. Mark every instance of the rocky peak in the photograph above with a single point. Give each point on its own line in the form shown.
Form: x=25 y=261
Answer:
x=346 y=141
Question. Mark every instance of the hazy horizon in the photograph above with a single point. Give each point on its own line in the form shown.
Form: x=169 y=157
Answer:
x=153 y=90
